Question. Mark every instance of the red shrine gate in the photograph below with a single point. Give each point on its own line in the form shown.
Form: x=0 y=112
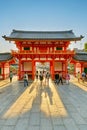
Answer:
x=42 y=46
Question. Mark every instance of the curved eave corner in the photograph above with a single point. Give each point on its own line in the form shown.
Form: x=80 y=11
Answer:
x=7 y=38
x=71 y=39
x=7 y=60
x=79 y=38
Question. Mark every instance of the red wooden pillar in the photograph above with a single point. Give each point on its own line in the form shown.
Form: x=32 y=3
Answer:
x=52 y=49
x=9 y=69
x=75 y=69
x=22 y=63
x=82 y=67
x=33 y=69
x=63 y=69
x=66 y=64
x=52 y=69
x=3 y=66
x=19 y=70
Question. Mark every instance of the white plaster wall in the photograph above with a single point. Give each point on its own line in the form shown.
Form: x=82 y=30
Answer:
x=78 y=67
x=6 y=70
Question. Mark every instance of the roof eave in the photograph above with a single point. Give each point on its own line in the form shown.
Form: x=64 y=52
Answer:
x=7 y=60
x=14 y=39
x=80 y=60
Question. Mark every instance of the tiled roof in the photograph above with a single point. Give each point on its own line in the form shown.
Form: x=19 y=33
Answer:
x=36 y=35
x=81 y=56
x=5 y=56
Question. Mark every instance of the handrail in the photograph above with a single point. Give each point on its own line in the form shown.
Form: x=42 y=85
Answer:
x=43 y=52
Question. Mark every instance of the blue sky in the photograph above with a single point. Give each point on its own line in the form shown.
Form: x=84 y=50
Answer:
x=43 y=15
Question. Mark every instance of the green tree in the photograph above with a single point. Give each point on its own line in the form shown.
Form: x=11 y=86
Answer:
x=85 y=46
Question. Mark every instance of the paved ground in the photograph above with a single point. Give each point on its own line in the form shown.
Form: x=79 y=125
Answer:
x=62 y=107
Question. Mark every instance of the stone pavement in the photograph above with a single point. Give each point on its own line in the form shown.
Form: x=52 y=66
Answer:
x=3 y=83
x=62 y=107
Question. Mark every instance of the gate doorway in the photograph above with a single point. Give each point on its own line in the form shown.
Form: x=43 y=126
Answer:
x=40 y=66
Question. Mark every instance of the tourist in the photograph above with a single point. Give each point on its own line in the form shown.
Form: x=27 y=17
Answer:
x=44 y=77
x=47 y=78
x=25 y=79
x=67 y=78
x=41 y=78
x=11 y=76
x=78 y=76
x=60 y=78
x=83 y=76
x=56 y=78
x=36 y=74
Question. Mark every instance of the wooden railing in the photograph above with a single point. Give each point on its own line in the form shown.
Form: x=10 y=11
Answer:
x=43 y=52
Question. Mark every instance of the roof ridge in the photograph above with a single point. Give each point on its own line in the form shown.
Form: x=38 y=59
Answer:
x=43 y=31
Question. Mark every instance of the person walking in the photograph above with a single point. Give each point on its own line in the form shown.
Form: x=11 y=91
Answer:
x=47 y=78
x=67 y=78
x=78 y=76
x=25 y=79
x=56 y=78
x=41 y=78
x=36 y=75
x=60 y=78
x=83 y=76
x=11 y=76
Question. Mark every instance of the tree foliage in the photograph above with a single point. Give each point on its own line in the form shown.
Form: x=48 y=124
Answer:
x=85 y=46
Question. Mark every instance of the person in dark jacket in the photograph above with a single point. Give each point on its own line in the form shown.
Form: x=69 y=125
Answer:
x=60 y=78
x=57 y=78
x=11 y=76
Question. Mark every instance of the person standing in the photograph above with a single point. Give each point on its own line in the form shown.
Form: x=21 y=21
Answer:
x=60 y=78
x=83 y=76
x=57 y=78
x=78 y=76
x=36 y=74
x=11 y=76
x=41 y=78
x=47 y=78
x=25 y=79
x=67 y=78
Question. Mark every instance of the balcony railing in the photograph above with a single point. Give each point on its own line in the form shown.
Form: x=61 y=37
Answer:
x=43 y=52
